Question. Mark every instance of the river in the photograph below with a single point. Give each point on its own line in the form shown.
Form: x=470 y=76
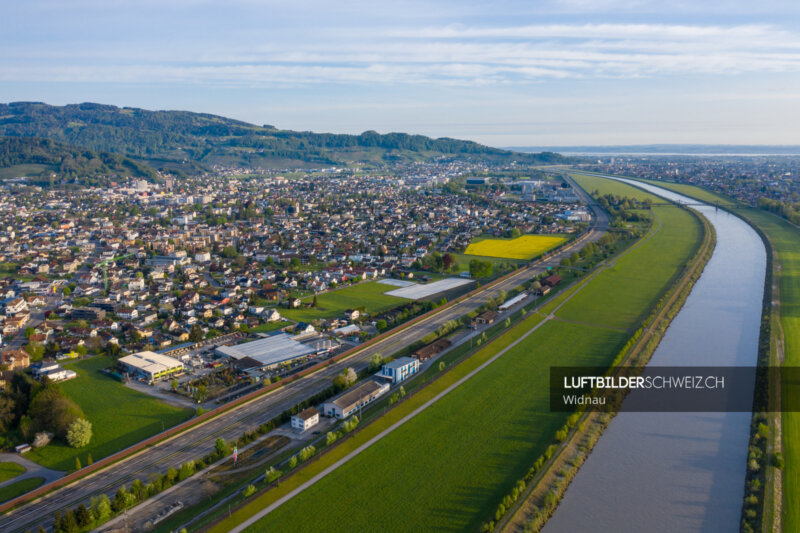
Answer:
x=682 y=472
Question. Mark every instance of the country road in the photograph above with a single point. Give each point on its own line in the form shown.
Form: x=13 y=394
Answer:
x=199 y=441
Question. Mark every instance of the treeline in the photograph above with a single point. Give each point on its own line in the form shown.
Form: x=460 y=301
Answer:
x=622 y=208
x=788 y=210
x=175 y=136
x=29 y=408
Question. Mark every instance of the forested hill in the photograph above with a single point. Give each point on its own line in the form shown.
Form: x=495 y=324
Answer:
x=194 y=141
x=46 y=162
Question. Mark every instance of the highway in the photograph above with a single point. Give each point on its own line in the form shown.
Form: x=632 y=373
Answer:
x=199 y=440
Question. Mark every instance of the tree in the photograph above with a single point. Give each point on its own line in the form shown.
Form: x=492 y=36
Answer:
x=271 y=474
x=79 y=433
x=77 y=463
x=196 y=333
x=293 y=462
x=51 y=410
x=441 y=366
x=221 y=447
x=345 y=379
x=248 y=491
x=83 y=516
x=375 y=362
x=101 y=509
x=66 y=291
x=174 y=384
x=229 y=252
x=381 y=325
x=480 y=269
x=35 y=350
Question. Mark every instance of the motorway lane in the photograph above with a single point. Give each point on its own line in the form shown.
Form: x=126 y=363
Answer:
x=199 y=441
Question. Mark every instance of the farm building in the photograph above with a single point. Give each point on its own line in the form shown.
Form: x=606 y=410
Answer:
x=487 y=317
x=400 y=369
x=552 y=280
x=350 y=401
x=426 y=352
x=305 y=419
x=268 y=352
x=150 y=365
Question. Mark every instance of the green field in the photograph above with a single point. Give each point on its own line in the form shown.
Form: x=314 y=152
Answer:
x=680 y=233
x=19 y=488
x=448 y=468
x=785 y=239
x=525 y=247
x=270 y=326
x=120 y=416
x=368 y=296
x=10 y=470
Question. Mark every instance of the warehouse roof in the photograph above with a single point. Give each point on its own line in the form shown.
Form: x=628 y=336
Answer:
x=150 y=362
x=269 y=350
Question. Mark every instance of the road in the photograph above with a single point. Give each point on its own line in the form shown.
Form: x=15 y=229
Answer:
x=199 y=441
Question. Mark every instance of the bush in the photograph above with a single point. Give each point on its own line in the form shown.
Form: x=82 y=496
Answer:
x=79 y=433
x=249 y=490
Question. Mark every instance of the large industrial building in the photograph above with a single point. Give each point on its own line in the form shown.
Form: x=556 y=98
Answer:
x=269 y=352
x=150 y=365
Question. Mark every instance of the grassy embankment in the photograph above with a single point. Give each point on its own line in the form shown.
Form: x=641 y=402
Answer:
x=455 y=461
x=780 y=500
x=120 y=416
x=544 y=486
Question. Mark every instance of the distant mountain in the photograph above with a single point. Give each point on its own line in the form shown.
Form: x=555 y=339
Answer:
x=670 y=149
x=46 y=162
x=194 y=141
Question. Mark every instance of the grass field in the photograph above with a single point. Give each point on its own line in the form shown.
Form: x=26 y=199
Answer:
x=525 y=247
x=368 y=296
x=609 y=301
x=19 y=488
x=270 y=326
x=10 y=470
x=120 y=416
x=785 y=239
x=448 y=468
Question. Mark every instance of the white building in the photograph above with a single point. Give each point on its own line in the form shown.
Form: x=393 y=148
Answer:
x=400 y=369
x=355 y=398
x=305 y=419
x=150 y=365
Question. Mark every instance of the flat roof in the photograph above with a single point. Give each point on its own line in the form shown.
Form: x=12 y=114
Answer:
x=418 y=291
x=269 y=350
x=400 y=362
x=356 y=394
x=150 y=362
x=516 y=299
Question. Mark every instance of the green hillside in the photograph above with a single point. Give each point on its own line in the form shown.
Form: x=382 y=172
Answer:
x=48 y=162
x=195 y=141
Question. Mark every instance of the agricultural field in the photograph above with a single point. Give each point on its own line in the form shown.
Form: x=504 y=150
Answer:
x=785 y=239
x=525 y=247
x=454 y=462
x=134 y=416
x=368 y=296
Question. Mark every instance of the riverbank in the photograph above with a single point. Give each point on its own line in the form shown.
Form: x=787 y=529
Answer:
x=545 y=492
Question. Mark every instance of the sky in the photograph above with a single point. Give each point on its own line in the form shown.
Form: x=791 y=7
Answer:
x=503 y=73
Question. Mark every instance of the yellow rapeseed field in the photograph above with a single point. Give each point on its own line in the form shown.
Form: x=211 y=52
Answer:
x=524 y=247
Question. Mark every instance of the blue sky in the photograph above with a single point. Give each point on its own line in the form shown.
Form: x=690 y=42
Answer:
x=559 y=72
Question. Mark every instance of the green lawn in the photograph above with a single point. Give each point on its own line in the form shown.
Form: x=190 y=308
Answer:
x=785 y=239
x=19 y=488
x=448 y=468
x=368 y=295
x=120 y=416
x=270 y=326
x=10 y=470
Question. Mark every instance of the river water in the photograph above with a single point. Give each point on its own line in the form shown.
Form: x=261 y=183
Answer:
x=682 y=472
